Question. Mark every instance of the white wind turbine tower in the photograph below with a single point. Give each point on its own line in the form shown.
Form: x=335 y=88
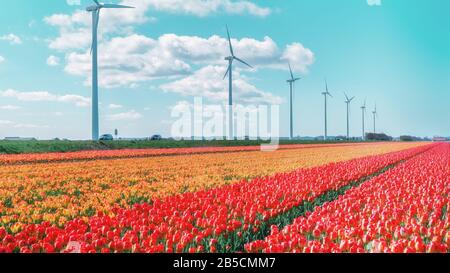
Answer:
x=95 y=9
x=229 y=72
x=348 y=101
x=326 y=94
x=375 y=115
x=291 y=82
x=363 y=110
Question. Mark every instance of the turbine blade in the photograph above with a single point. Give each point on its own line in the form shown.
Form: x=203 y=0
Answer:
x=229 y=42
x=290 y=70
x=239 y=60
x=226 y=73
x=115 y=6
x=96 y=2
x=352 y=98
x=297 y=79
x=346 y=96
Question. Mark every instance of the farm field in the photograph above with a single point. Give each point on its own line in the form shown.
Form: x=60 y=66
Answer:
x=57 y=192
x=223 y=201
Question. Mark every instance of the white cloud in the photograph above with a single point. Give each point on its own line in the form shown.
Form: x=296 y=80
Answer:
x=28 y=96
x=73 y=2
x=75 y=28
x=36 y=96
x=10 y=107
x=299 y=56
x=131 y=59
x=77 y=100
x=6 y=122
x=204 y=8
x=21 y=125
x=374 y=2
x=27 y=126
x=208 y=83
x=115 y=106
x=126 y=61
x=53 y=60
x=126 y=116
x=79 y=38
x=2 y=59
x=11 y=38
x=200 y=8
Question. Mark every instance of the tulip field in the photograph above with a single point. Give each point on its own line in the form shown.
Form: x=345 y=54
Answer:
x=364 y=197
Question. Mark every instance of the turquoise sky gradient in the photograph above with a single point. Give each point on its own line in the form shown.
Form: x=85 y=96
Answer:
x=396 y=54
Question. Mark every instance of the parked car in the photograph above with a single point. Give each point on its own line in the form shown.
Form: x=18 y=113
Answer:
x=156 y=137
x=107 y=137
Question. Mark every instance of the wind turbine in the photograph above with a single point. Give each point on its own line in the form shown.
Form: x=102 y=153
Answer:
x=95 y=9
x=363 y=110
x=229 y=72
x=326 y=94
x=375 y=115
x=348 y=101
x=291 y=82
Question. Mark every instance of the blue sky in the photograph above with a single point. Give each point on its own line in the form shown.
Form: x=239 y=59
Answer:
x=392 y=52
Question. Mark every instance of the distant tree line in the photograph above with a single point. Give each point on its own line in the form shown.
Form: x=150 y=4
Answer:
x=378 y=137
x=411 y=138
x=414 y=138
x=384 y=137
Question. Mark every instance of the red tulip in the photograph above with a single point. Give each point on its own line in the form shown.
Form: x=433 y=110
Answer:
x=375 y=209
x=403 y=205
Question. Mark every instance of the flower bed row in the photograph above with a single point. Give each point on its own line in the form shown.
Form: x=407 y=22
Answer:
x=406 y=209
x=6 y=159
x=200 y=221
x=59 y=192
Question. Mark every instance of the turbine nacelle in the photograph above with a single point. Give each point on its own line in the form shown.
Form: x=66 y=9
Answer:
x=93 y=8
x=326 y=90
x=292 y=79
x=364 y=105
x=348 y=100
